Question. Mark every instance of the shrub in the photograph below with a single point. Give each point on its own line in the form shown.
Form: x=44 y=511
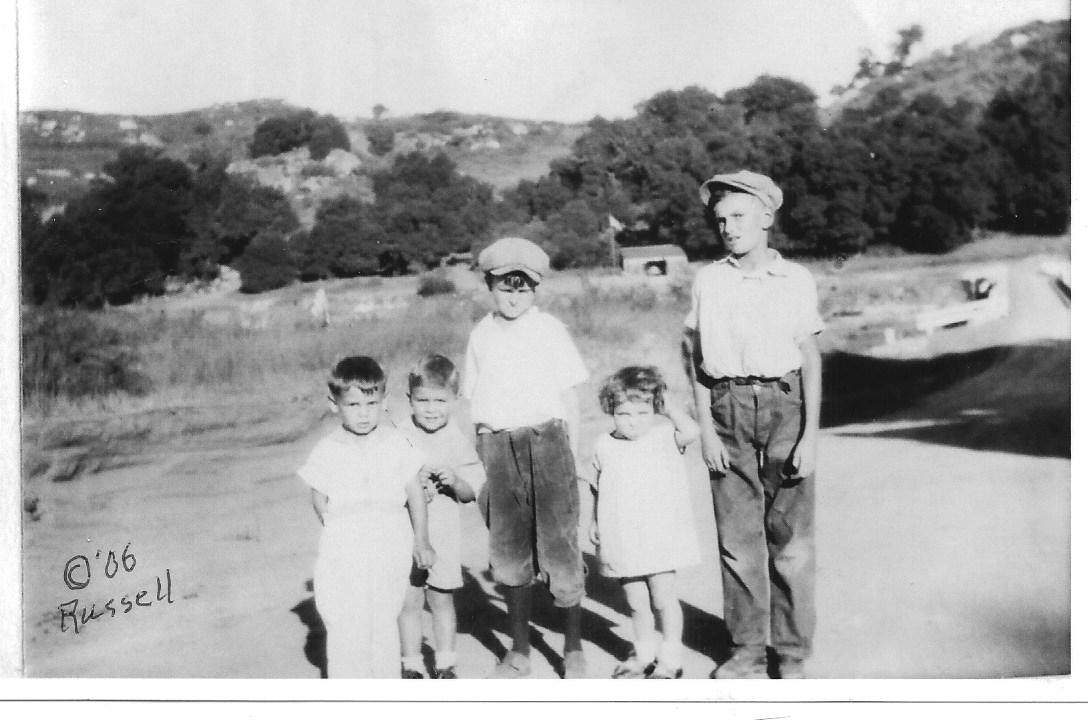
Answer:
x=435 y=283
x=75 y=354
x=381 y=139
x=267 y=263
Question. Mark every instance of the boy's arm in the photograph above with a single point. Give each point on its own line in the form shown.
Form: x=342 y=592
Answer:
x=422 y=552
x=320 y=502
x=803 y=461
x=715 y=454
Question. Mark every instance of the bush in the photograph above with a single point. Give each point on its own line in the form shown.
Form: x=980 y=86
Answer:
x=381 y=139
x=435 y=283
x=75 y=354
x=267 y=263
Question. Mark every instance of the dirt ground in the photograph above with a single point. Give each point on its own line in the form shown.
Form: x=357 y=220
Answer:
x=943 y=537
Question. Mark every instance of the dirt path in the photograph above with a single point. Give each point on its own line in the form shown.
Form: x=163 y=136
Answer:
x=939 y=555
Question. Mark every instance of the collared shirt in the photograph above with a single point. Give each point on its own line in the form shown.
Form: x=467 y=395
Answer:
x=516 y=372
x=751 y=322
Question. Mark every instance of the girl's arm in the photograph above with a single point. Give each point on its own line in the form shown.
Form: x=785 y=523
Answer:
x=687 y=430
x=320 y=502
x=422 y=552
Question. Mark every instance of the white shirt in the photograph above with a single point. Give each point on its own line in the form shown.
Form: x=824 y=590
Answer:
x=516 y=372
x=751 y=322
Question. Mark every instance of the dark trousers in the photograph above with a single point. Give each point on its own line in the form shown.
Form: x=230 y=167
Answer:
x=530 y=504
x=765 y=521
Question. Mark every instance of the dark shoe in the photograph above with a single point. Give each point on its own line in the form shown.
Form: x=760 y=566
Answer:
x=513 y=665
x=791 y=668
x=664 y=672
x=406 y=674
x=631 y=669
x=574 y=665
x=445 y=673
x=744 y=665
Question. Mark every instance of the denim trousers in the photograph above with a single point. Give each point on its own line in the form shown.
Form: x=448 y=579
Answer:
x=530 y=505
x=765 y=520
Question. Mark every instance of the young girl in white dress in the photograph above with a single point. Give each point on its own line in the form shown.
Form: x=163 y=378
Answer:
x=643 y=523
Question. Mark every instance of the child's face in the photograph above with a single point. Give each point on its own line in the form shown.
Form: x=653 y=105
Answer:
x=359 y=412
x=510 y=302
x=742 y=222
x=633 y=418
x=431 y=406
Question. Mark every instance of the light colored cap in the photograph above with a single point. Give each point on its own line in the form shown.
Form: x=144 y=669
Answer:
x=746 y=181
x=511 y=254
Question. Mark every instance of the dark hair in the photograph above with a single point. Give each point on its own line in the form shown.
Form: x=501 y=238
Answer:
x=514 y=280
x=357 y=371
x=436 y=371
x=642 y=383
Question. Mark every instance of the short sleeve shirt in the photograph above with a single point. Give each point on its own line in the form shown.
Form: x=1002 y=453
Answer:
x=362 y=474
x=752 y=322
x=447 y=447
x=516 y=372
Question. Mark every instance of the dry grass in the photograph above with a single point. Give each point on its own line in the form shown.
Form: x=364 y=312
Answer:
x=236 y=370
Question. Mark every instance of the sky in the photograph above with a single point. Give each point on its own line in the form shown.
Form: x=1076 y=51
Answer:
x=565 y=60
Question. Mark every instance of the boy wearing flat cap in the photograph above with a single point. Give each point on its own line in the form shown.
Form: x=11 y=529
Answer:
x=752 y=329
x=521 y=370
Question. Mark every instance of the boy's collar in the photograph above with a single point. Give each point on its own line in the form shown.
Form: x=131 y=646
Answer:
x=776 y=265
x=496 y=316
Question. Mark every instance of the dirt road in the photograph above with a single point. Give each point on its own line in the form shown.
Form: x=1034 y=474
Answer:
x=943 y=538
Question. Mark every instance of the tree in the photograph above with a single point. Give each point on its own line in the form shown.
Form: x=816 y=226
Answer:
x=284 y=133
x=1029 y=128
x=267 y=263
x=381 y=139
x=346 y=241
x=245 y=209
x=379 y=110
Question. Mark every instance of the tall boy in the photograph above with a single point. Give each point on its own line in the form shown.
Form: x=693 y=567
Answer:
x=362 y=475
x=521 y=369
x=453 y=475
x=753 y=327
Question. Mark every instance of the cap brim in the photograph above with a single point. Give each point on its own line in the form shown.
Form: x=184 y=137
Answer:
x=534 y=275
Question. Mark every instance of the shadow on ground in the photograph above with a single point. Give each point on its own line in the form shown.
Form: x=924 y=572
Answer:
x=1006 y=399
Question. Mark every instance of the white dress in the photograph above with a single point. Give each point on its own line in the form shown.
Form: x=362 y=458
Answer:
x=365 y=552
x=644 y=514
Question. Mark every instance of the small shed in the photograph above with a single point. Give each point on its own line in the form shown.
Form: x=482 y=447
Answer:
x=653 y=259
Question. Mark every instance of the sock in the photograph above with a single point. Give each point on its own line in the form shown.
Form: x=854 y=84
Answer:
x=446 y=659
x=671 y=654
x=519 y=604
x=572 y=633
x=415 y=662
x=646 y=651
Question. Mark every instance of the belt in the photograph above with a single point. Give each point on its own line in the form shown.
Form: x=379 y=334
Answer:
x=782 y=382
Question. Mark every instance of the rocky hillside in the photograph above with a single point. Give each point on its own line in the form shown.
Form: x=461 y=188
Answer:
x=61 y=151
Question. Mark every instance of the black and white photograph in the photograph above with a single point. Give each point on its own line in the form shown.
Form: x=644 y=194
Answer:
x=572 y=340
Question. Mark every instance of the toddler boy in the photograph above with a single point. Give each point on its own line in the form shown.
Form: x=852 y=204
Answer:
x=521 y=369
x=362 y=474
x=452 y=474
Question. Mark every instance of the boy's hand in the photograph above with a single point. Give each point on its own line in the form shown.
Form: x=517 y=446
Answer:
x=443 y=478
x=802 y=461
x=715 y=455
x=423 y=554
x=425 y=481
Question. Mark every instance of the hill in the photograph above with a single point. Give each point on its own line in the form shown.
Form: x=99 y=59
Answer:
x=973 y=72
x=62 y=151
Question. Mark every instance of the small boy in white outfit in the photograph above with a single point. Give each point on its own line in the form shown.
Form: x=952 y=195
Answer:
x=362 y=475
x=452 y=474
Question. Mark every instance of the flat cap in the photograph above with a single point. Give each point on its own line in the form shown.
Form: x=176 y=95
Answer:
x=510 y=254
x=746 y=181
